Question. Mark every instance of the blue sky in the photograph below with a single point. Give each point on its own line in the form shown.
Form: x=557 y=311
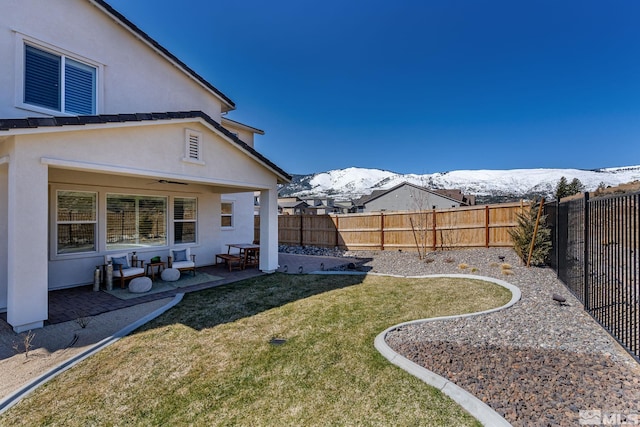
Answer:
x=418 y=86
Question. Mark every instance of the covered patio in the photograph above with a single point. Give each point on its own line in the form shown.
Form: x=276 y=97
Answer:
x=73 y=303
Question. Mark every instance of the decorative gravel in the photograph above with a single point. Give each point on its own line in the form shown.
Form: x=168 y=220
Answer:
x=537 y=363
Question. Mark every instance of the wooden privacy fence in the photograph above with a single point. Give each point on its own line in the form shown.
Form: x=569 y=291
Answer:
x=466 y=227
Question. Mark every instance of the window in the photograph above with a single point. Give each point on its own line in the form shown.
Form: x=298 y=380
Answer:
x=185 y=212
x=76 y=221
x=136 y=221
x=192 y=147
x=226 y=219
x=59 y=83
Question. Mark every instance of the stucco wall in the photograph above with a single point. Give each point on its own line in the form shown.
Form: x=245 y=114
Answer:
x=242 y=134
x=134 y=78
x=156 y=148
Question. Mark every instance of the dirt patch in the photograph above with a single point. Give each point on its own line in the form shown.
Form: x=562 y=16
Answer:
x=55 y=344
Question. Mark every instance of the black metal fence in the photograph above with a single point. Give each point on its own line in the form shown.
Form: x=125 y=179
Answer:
x=596 y=254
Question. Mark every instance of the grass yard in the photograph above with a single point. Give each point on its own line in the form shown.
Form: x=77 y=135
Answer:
x=210 y=360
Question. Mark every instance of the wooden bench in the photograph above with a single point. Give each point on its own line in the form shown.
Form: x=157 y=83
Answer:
x=230 y=260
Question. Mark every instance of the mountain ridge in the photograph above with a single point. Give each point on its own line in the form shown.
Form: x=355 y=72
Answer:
x=488 y=185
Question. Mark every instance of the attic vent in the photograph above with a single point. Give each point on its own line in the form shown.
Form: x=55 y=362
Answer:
x=193 y=146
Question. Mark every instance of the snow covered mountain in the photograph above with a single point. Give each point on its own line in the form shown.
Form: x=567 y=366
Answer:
x=486 y=185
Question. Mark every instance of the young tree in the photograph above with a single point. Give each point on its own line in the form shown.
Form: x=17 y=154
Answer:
x=575 y=187
x=562 y=188
x=522 y=235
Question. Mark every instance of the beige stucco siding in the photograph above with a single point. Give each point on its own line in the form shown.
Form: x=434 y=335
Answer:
x=150 y=150
x=132 y=77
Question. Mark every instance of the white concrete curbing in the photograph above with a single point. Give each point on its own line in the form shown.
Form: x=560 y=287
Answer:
x=476 y=407
x=24 y=391
x=481 y=411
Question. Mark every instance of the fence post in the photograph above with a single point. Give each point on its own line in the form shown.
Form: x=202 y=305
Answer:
x=382 y=231
x=435 y=234
x=337 y=231
x=587 y=303
x=301 y=231
x=486 y=225
x=557 y=238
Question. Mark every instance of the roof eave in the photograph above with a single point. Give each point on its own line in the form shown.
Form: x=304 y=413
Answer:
x=242 y=126
x=61 y=124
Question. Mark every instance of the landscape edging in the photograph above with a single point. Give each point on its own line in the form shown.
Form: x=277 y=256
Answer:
x=480 y=410
x=24 y=391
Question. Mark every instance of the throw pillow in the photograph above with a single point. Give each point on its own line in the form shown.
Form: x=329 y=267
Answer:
x=120 y=261
x=180 y=255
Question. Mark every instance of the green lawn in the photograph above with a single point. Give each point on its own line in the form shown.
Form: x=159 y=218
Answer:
x=209 y=360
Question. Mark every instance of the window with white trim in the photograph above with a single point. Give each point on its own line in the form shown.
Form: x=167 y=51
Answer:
x=76 y=221
x=193 y=146
x=136 y=221
x=185 y=216
x=226 y=217
x=57 y=82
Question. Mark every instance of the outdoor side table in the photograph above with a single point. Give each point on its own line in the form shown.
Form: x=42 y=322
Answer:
x=151 y=266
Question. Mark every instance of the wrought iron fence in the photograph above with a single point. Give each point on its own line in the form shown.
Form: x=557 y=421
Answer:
x=596 y=245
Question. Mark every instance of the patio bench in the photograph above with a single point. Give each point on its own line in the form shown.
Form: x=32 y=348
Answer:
x=230 y=260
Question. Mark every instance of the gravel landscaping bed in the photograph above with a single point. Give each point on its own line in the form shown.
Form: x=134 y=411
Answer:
x=537 y=363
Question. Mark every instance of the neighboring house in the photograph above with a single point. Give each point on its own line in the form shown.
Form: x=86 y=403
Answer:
x=405 y=197
x=292 y=206
x=343 y=206
x=321 y=206
x=109 y=143
x=466 y=200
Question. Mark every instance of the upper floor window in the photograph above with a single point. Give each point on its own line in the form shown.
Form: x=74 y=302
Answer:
x=57 y=82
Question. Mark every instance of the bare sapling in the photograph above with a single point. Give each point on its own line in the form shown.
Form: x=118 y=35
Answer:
x=27 y=340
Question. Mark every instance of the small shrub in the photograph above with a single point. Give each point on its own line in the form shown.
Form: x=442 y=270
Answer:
x=507 y=272
x=522 y=236
x=463 y=266
x=449 y=260
x=505 y=266
x=494 y=264
x=83 y=321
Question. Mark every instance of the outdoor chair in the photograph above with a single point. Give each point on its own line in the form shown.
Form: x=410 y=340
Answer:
x=183 y=260
x=123 y=268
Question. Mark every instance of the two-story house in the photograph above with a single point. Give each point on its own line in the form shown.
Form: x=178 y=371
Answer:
x=110 y=143
x=408 y=197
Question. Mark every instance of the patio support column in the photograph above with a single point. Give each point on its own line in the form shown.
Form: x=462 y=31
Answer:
x=4 y=161
x=269 y=230
x=27 y=237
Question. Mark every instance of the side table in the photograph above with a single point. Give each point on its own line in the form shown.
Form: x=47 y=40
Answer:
x=152 y=266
